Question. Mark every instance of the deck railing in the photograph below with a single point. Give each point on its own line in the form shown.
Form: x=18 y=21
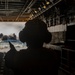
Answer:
x=68 y=61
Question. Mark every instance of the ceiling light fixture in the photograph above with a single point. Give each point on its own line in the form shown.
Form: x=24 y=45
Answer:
x=44 y=7
x=47 y=2
x=35 y=11
x=39 y=8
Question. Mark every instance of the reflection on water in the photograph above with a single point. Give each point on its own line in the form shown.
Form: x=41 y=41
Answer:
x=4 y=46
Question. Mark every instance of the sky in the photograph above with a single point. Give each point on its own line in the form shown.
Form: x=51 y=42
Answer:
x=8 y=28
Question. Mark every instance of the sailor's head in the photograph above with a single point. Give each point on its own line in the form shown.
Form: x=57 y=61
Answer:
x=35 y=31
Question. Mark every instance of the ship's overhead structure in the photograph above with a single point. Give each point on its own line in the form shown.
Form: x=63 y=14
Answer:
x=23 y=10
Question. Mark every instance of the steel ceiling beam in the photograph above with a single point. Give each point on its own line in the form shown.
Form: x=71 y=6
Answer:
x=22 y=9
x=29 y=6
x=11 y=0
x=1 y=19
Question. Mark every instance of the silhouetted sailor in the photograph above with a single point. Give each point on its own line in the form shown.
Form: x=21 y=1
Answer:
x=35 y=60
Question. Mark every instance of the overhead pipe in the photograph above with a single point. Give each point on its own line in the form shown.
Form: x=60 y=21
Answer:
x=6 y=7
x=29 y=6
x=22 y=9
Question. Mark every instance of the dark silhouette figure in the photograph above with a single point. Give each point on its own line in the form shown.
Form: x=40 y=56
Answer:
x=35 y=60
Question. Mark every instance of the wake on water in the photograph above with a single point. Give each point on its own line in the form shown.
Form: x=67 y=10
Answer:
x=4 y=45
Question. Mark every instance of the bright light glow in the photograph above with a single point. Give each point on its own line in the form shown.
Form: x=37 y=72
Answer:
x=35 y=11
x=39 y=8
x=44 y=6
x=8 y=28
x=47 y=2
